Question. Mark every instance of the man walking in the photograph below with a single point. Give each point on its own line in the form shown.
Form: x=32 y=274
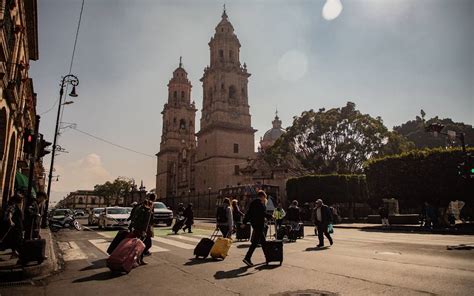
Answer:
x=143 y=224
x=256 y=215
x=322 y=218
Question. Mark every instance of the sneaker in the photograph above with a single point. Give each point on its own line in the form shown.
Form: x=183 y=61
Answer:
x=331 y=242
x=248 y=262
x=319 y=246
x=143 y=262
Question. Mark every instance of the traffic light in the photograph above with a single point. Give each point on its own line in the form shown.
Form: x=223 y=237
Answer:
x=42 y=145
x=466 y=168
x=29 y=142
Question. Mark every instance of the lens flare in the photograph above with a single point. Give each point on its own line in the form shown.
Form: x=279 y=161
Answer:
x=332 y=9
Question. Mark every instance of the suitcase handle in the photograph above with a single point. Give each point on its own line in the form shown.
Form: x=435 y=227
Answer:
x=214 y=234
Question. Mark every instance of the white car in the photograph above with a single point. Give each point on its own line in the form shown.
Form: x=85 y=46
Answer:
x=94 y=216
x=161 y=213
x=114 y=216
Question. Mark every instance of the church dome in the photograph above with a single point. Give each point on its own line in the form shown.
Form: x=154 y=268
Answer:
x=272 y=134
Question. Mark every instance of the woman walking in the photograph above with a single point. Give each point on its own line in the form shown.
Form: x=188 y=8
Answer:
x=225 y=220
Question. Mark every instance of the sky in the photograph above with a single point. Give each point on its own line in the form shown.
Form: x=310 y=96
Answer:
x=390 y=57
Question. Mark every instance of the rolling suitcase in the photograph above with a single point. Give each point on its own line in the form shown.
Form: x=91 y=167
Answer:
x=221 y=247
x=300 y=230
x=242 y=233
x=203 y=248
x=273 y=251
x=178 y=224
x=33 y=250
x=282 y=232
x=124 y=257
x=121 y=235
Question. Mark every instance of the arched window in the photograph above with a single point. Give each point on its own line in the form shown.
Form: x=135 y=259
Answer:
x=221 y=53
x=182 y=124
x=182 y=95
x=232 y=92
x=175 y=94
x=174 y=121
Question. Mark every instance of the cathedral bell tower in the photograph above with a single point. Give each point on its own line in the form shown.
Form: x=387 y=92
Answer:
x=177 y=147
x=226 y=137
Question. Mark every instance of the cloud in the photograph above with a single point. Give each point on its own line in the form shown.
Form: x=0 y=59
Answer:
x=293 y=65
x=332 y=9
x=81 y=174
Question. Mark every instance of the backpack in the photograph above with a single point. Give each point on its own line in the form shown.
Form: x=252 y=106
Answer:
x=141 y=218
x=221 y=215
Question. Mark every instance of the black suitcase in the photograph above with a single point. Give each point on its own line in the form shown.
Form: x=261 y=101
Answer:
x=293 y=234
x=273 y=251
x=242 y=233
x=282 y=231
x=300 y=230
x=178 y=225
x=203 y=248
x=116 y=241
x=33 y=250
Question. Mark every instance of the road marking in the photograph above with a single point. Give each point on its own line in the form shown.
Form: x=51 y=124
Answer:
x=100 y=244
x=71 y=251
x=187 y=238
x=173 y=243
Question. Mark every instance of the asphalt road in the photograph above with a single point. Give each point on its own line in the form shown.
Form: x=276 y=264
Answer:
x=359 y=263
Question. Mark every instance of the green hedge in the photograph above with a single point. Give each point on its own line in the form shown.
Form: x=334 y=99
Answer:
x=331 y=188
x=418 y=176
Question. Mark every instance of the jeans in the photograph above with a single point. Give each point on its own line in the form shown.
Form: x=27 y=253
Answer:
x=225 y=230
x=258 y=237
x=323 y=230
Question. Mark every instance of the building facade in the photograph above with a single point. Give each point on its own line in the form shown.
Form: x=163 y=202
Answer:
x=225 y=141
x=18 y=46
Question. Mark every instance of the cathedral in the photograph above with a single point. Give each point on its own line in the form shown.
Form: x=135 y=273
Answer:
x=212 y=158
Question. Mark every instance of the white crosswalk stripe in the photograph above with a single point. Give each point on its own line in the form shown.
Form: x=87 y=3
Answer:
x=187 y=238
x=71 y=251
x=173 y=243
x=100 y=244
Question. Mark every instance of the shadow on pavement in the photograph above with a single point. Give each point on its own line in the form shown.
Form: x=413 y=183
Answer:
x=467 y=229
x=461 y=247
x=195 y=261
x=243 y=246
x=316 y=249
x=267 y=267
x=95 y=265
x=234 y=273
x=103 y=276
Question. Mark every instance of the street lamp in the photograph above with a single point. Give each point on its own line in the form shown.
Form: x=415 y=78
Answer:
x=209 y=200
x=74 y=81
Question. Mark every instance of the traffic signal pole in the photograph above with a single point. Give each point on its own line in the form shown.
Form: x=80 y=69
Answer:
x=28 y=198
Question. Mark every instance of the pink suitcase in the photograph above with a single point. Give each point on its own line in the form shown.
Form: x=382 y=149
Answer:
x=124 y=257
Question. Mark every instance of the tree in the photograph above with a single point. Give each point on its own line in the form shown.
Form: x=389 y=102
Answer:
x=117 y=189
x=414 y=130
x=338 y=140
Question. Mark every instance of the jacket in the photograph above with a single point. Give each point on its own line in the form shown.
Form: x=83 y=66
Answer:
x=326 y=215
x=256 y=214
x=293 y=214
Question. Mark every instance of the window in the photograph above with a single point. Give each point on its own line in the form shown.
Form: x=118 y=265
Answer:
x=182 y=95
x=175 y=94
x=182 y=124
x=232 y=92
x=236 y=148
x=236 y=170
x=221 y=53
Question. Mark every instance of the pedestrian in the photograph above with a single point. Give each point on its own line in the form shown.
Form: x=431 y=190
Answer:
x=256 y=215
x=278 y=215
x=293 y=214
x=383 y=212
x=322 y=219
x=189 y=216
x=14 y=235
x=143 y=224
x=236 y=212
x=132 y=213
x=224 y=217
x=180 y=210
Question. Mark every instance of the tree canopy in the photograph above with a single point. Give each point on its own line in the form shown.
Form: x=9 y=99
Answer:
x=120 y=187
x=338 y=140
x=414 y=130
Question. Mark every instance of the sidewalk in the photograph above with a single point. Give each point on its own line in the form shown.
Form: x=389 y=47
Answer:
x=11 y=272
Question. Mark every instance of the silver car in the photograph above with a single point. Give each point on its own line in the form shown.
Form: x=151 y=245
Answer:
x=113 y=217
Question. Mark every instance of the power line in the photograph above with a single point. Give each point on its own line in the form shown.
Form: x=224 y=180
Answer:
x=111 y=143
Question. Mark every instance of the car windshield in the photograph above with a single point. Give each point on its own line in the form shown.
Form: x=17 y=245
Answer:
x=98 y=211
x=60 y=212
x=116 y=211
x=159 y=205
x=129 y=210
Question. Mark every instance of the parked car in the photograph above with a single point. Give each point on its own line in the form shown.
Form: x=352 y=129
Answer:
x=162 y=214
x=113 y=217
x=59 y=214
x=79 y=213
x=94 y=216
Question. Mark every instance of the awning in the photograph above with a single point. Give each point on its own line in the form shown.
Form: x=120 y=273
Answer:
x=21 y=184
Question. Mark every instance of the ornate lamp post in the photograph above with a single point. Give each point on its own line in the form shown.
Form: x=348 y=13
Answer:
x=74 y=81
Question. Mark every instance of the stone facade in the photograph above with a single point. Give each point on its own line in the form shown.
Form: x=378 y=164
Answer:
x=225 y=140
x=18 y=46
